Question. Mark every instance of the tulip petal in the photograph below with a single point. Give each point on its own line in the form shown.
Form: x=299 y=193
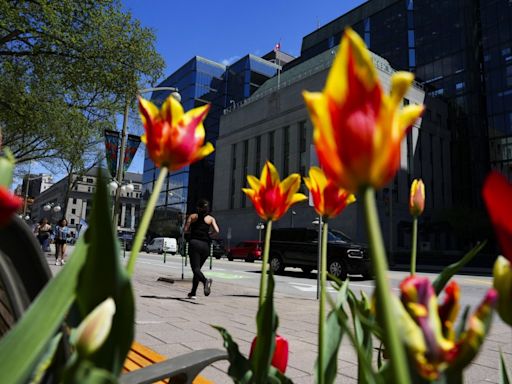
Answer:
x=254 y=182
x=172 y=111
x=148 y=110
x=406 y=118
x=400 y=83
x=269 y=175
x=297 y=198
x=291 y=184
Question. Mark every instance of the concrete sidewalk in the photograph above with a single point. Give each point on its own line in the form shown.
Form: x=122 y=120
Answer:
x=172 y=325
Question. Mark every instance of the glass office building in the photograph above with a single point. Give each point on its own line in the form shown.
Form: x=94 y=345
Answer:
x=199 y=81
x=461 y=52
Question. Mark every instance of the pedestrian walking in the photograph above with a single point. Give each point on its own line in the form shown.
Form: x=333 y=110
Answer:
x=43 y=232
x=200 y=225
x=61 y=236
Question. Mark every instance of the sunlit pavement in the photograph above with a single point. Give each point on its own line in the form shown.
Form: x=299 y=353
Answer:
x=171 y=324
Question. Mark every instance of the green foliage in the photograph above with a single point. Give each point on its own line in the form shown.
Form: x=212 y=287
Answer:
x=65 y=65
x=23 y=346
x=447 y=273
x=504 y=379
x=103 y=266
x=6 y=169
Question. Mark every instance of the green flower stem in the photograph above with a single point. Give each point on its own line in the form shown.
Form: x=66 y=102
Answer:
x=385 y=315
x=414 y=245
x=146 y=218
x=264 y=263
x=321 y=314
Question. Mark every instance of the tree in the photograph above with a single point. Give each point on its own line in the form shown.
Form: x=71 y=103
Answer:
x=67 y=61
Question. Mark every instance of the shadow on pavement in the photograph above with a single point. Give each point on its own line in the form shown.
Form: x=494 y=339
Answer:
x=184 y=299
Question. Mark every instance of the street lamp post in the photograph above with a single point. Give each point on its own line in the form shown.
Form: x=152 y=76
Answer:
x=120 y=165
x=293 y=213
x=260 y=227
x=318 y=222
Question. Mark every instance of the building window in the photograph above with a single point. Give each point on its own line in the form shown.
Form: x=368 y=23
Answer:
x=271 y=146
x=286 y=151
x=90 y=180
x=257 y=162
x=73 y=211
x=245 y=170
x=302 y=148
x=88 y=189
x=74 y=201
x=233 y=177
x=72 y=221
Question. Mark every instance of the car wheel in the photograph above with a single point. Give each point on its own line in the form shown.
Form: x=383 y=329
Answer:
x=306 y=270
x=230 y=257
x=368 y=275
x=217 y=257
x=337 y=268
x=249 y=259
x=160 y=251
x=276 y=263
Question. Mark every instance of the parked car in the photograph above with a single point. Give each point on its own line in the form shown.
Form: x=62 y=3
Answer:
x=163 y=244
x=248 y=250
x=218 y=248
x=298 y=247
x=129 y=243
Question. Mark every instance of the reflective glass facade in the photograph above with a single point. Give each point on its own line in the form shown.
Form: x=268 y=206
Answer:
x=461 y=51
x=199 y=81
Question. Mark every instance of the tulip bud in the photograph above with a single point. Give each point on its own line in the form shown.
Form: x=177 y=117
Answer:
x=9 y=203
x=280 y=358
x=94 y=329
x=502 y=282
x=417 y=198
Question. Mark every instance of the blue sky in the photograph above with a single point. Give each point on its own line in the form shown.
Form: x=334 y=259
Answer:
x=226 y=30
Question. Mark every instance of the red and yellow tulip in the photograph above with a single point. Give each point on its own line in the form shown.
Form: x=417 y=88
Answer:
x=9 y=204
x=174 y=139
x=270 y=196
x=430 y=337
x=329 y=200
x=417 y=198
x=358 y=128
x=497 y=193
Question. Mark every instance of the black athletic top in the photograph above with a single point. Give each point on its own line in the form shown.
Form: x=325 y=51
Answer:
x=199 y=229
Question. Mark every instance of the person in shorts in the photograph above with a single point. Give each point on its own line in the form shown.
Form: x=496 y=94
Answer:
x=61 y=236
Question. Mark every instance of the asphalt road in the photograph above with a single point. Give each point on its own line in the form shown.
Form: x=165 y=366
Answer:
x=294 y=282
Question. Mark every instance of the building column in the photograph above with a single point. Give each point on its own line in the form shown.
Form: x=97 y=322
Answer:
x=132 y=221
x=123 y=214
x=84 y=209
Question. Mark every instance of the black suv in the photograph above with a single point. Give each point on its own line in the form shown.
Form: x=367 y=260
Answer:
x=298 y=247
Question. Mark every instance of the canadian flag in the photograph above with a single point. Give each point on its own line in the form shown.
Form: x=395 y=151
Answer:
x=277 y=47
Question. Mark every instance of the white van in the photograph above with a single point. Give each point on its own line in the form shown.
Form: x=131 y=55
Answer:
x=163 y=244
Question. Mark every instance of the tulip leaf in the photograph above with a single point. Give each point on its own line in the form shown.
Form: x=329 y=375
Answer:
x=103 y=277
x=24 y=345
x=239 y=367
x=331 y=344
x=84 y=372
x=504 y=378
x=447 y=273
x=6 y=168
x=266 y=324
x=46 y=359
x=462 y=322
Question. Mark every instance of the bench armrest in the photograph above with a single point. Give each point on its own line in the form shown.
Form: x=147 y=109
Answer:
x=181 y=369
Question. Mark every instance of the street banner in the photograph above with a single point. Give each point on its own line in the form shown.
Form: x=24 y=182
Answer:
x=112 y=148
x=132 y=144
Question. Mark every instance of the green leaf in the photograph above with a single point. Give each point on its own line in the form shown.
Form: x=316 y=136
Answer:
x=239 y=367
x=504 y=379
x=266 y=324
x=46 y=360
x=102 y=277
x=331 y=345
x=21 y=348
x=447 y=273
x=84 y=372
x=6 y=168
x=462 y=322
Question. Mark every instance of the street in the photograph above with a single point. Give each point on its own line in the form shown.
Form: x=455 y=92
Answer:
x=172 y=325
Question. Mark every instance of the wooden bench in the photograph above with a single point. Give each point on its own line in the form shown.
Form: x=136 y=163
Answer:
x=141 y=356
x=24 y=272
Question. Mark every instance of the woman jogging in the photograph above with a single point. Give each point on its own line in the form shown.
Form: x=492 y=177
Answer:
x=200 y=224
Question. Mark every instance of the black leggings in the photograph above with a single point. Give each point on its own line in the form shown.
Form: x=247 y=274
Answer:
x=198 y=253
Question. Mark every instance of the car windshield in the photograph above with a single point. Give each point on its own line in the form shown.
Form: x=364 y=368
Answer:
x=338 y=236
